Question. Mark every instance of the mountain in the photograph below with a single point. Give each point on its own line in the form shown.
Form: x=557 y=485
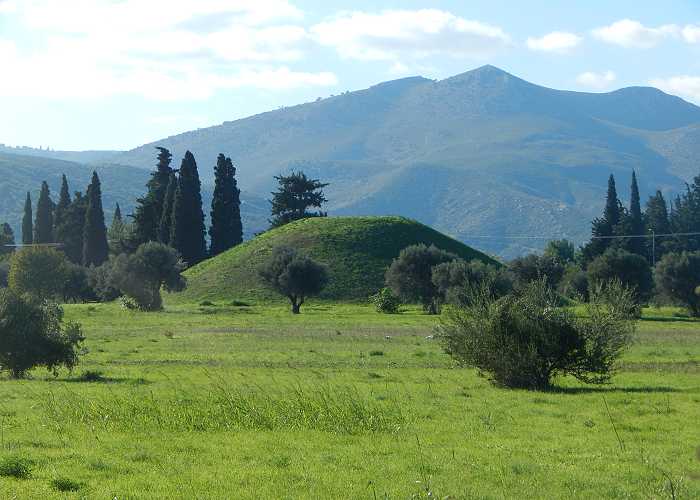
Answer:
x=120 y=184
x=357 y=250
x=480 y=154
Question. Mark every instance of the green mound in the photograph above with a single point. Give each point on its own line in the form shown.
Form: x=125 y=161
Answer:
x=357 y=251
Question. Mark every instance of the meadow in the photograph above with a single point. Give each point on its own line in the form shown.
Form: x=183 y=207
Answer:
x=230 y=400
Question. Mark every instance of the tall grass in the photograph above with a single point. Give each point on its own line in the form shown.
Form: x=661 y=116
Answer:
x=340 y=410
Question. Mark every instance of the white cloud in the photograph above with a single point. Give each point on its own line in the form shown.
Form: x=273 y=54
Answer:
x=684 y=86
x=159 y=49
x=633 y=34
x=395 y=34
x=558 y=41
x=691 y=33
x=597 y=81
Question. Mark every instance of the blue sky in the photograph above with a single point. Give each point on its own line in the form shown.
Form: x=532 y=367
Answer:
x=114 y=74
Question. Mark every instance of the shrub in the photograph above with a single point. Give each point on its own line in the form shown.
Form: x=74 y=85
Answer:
x=561 y=251
x=293 y=275
x=39 y=272
x=100 y=280
x=385 y=301
x=630 y=269
x=410 y=275
x=677 y=276
x=65 y=484
x=4 y=272
x=535 y=267
x=141 y=275
x=32 y=334
x=574 y=283
x=523 y=340
x=76 y=287
x=454 y=279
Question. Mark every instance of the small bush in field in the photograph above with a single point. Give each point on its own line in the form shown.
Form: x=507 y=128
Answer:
x=17 y=467
x=65 y=484
x=523 y=340
x=385 y=301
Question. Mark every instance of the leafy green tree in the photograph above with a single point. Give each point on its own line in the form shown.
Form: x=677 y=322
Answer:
x=385 y=301
x=562 y=251
x=456 y=278
x=226 y=229
x=165 y=226
x=142 y=274
x=33 y=334
x=574 y=283
x=70 y=233
x=7 y=239
x=295 y=195
x=39 y=272
x=534 y=267
x=27 y=223
x=95 y=246
x=62 y=205
x=677 y=277
x=410 y=275
x=685 y=218
x=43 y=224
x=632 y=270
x=149 y=209
x=294 y=275
x=187 y=235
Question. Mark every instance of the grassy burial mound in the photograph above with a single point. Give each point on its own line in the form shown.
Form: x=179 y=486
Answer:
x=357 y=251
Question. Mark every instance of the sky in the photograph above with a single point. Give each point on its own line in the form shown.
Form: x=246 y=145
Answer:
x=115 y=74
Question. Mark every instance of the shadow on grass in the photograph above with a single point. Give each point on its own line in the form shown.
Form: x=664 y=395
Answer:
x=670 y=319
x=603 y=390
x=90 y=377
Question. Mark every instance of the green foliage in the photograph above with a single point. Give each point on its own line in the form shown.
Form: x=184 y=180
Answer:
x=65 y=484
x=165 y=225
x=187 y=235
x=523 y=340
x=4 y=273
x=294 y=196
x=677 y=277
x=7 y=237
x=385 y=301
x=149 y=209
x=534 y=267
x=76 y=285
x=631 y=269
x=657 y=220
x=62 y=205
x=100 y=281
x=294 y=275
x=43 y=224
x=574 y=283
x=605 y=226
x=226 y=230
x=38 y=271
x=455 y=279
x=410 y=275
x=32 y=334
x=16 y=466
x=357 y=250
x=27 y=222
x=141 y=275
x=95 y=246
x=561 y=251
x=71 y=231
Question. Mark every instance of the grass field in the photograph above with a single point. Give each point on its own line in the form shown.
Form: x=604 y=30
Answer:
x=339 y=402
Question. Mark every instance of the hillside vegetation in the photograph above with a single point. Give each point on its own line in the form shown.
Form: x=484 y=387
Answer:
x=357 y=251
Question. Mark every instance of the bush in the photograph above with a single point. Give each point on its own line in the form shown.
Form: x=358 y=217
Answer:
x=17 y=467
x=32 y=334
x=410 y=275
x=4 y=272
x=141 y=275
x=101 y=283
x=535 y=267
x=385 y=301
x=677 y=276
x=38 y=271
x=561 y=251
x=76 y=287
x=293 y=275
x=632 y=270
x=453 y=280
x=523 y=340
x=574 y=283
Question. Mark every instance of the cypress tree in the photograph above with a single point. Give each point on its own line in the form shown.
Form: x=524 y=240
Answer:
x=613 y=208
x=149 y=209
x=165 y=226
x=605 y=226
x=43 y=224
x=657 y=220
x=226 y=229
x=117 y=217
x=62 y=205
x=95 y=247
x=187 y=231
x=27 y=224
x=70 y=232
x=636 y=221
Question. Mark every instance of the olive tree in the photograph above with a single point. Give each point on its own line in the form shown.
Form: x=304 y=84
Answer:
x=294 y=275
x=141 y=275
x=677 y=276
x=630 y=269
x=38 y=271
x=32 y=334
x=455 y=279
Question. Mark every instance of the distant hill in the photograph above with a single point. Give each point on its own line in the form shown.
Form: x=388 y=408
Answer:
x=357 y=250
x=120 y=184
x=479 y=154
